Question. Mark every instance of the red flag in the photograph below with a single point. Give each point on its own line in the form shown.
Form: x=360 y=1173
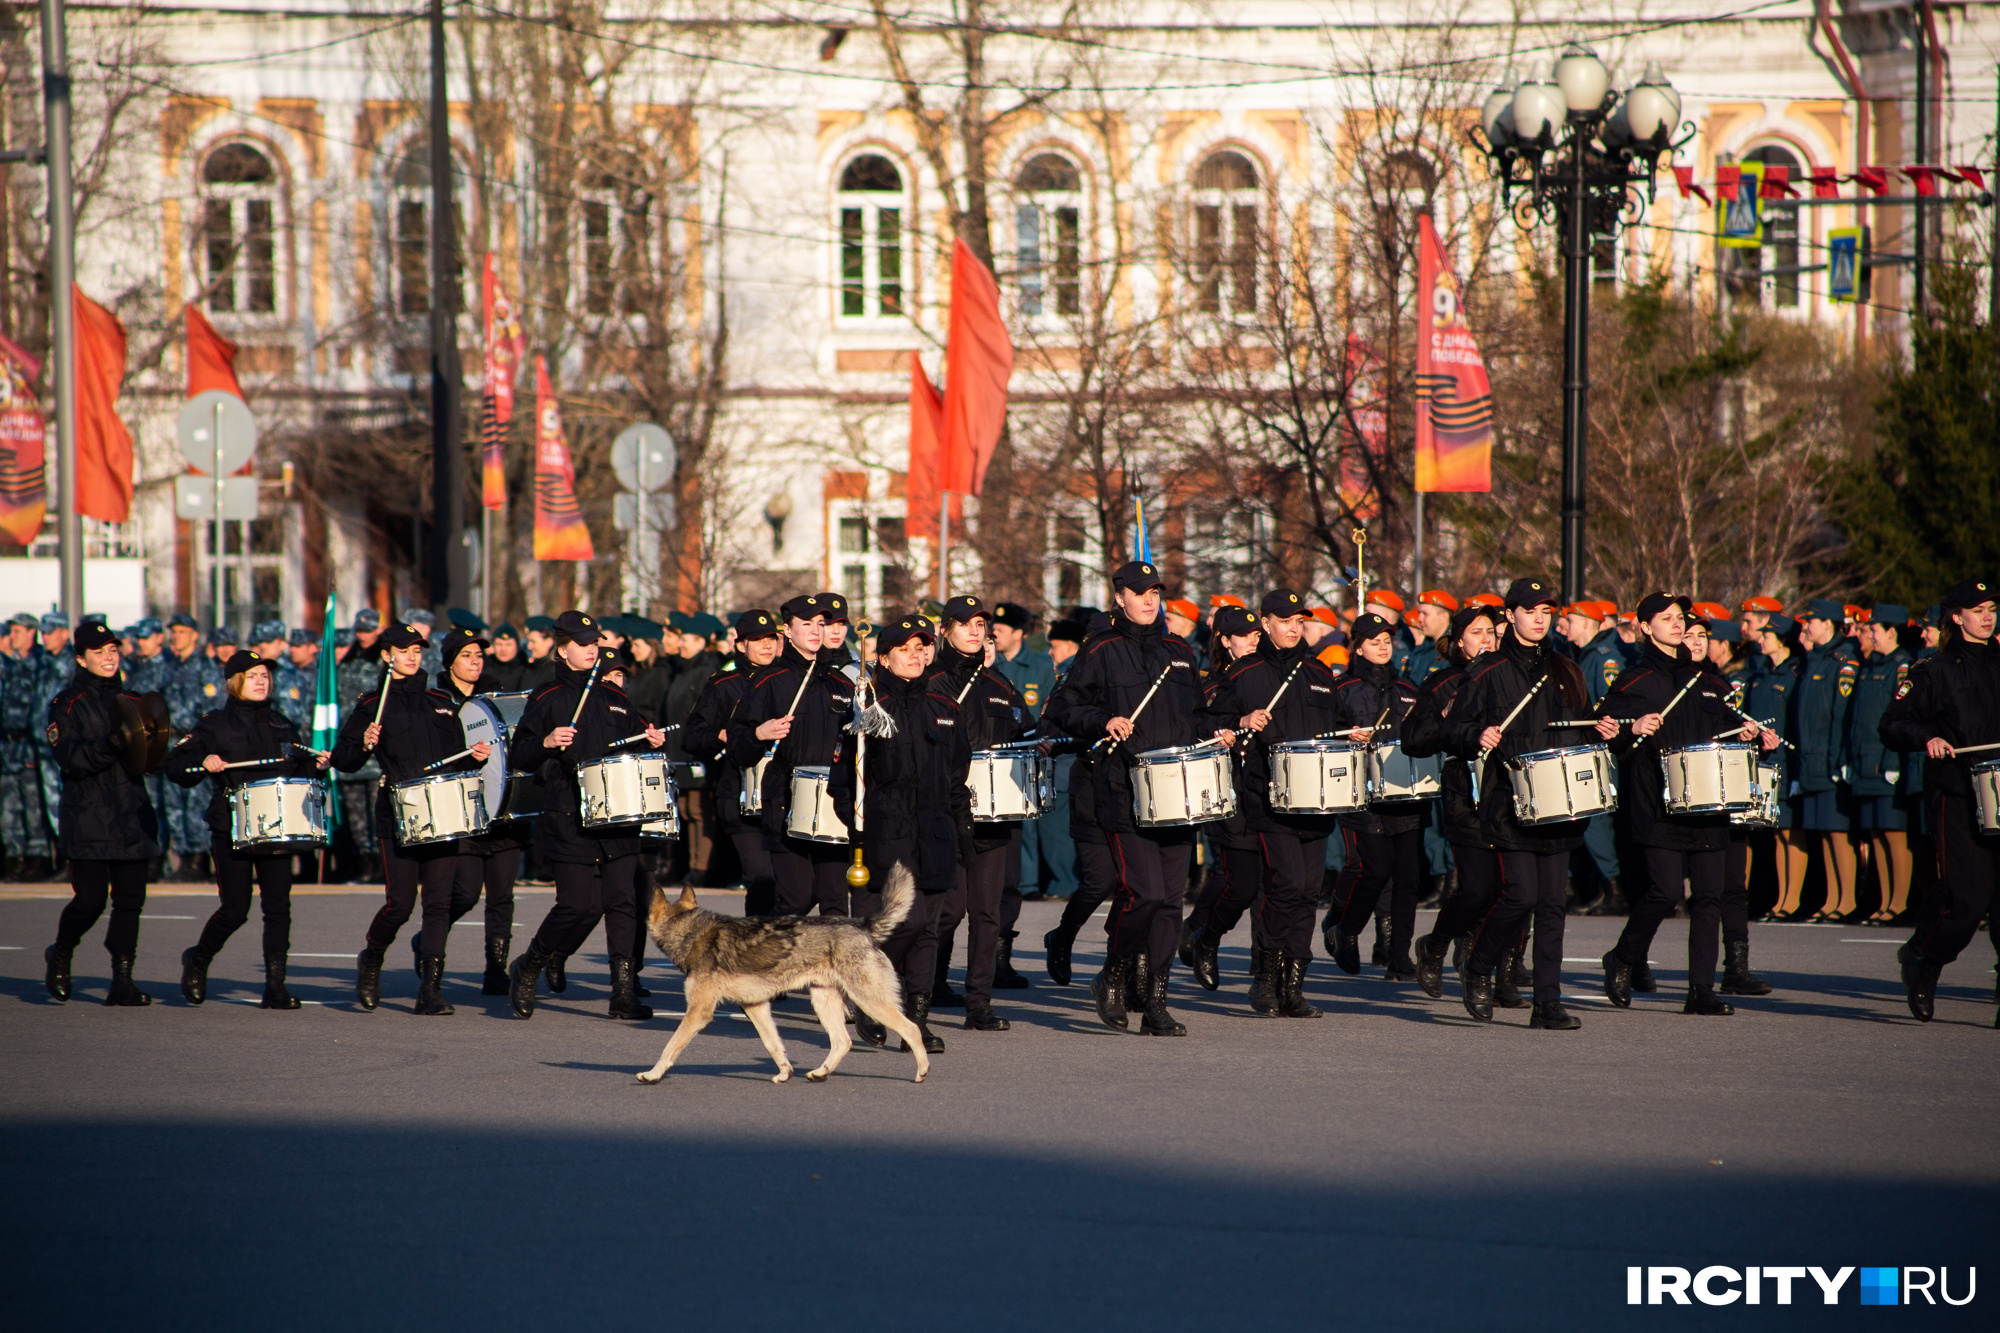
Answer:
x=1972 y=175
x=211 y=358
x=1777 y=185
x=560 y=533
x=1924 y=178
x=504 y=347
x=103 y=445
x=920 y=486
x=978 y=362
x=23 y=482
x=1454 y=399
x=1367 y=446
x=1873 y=179
x=1727 y=176
x=1684 y=177
x=1826 y=184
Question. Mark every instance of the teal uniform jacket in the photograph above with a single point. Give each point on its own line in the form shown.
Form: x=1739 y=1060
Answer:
x=1423 y=661
x=1872 y=768
x=1032 y=673
x=1601 y=663
x=1819 y=716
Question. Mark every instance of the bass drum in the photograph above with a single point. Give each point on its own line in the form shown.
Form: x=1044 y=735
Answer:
x=492 y=718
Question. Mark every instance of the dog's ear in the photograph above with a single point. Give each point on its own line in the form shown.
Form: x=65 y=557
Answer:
x=688 y=903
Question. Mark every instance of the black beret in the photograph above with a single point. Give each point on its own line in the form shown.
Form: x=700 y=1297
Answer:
x=1366 y=627
x=755 y=625
x=457 y=641
x=1968 y=592
x=1138 y=576
x=963 y=609
x=92 y=635
x=1282 y=602
x=902 y=631
x=1067 y=631
x=1653 y=603
x=243 y=660
x=1531 y=592
x=803 y=607
x=1232 y=621
x=577 y=627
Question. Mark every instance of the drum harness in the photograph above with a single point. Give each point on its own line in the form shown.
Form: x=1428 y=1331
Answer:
x=1479 y=764
x=1243 y=741
x=1158 y=681
x=756 y=771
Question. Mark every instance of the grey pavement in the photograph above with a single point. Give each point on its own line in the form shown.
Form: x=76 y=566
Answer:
x=1391 y=1165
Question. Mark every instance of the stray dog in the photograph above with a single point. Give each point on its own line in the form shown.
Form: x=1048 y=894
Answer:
x=751 y=962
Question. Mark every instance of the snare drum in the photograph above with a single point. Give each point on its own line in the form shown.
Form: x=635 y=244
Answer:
x=1009 y=784
x=439 y=808
x=1186 y=784
x=752 y=798
x=492 y=718
x=278 y=813
x=1711 y=778
x=1317 y=777
x=1986 y=786
x=1763 y=813
x=1564 y=784
x=1396 y=779
x=625 y=789
x=810 y=815
x=665 y=829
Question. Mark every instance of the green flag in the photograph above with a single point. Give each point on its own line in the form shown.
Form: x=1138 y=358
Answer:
x=326 y=696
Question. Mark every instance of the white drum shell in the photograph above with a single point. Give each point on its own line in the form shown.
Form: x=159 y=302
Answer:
x=1561 y=785
x=625 y=789
x=278 y=812
x=1010 y=785
x=492 y=718
x=1396 y=779
x=752 y=799
x=1317 y=777
x=810 y=814
x=1986 y=786
x=1710 y=779
x=1763 y=813
x=439 y=808
x=1181 y=786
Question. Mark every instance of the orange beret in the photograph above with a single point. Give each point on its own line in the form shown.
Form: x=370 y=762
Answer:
x=1712 y=611
x=1438 y=597
x=1387 y=598
x=1182 y=607
x=1334 y=654
x=1488 y=599
x=1224 y=599
x=1326 y=615
x=1768 y=605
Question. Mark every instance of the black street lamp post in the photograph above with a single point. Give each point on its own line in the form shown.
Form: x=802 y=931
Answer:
x=1581 y=150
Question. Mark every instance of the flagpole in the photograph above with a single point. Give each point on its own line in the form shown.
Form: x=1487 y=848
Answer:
x=62 y=302
x=944 y=545
x=1417 y=550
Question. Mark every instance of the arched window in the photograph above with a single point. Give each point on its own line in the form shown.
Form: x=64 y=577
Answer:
x=410 y=210
x=1781 y=242
x=1227 y=203
x=1047 y=234
x=1406 y=185
x=617 y=252
x=871 y=238
x=239 y=227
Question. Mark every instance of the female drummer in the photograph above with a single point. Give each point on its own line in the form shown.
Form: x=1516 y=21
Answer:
x=1774 y=682
x=245 y=740
x=1701 y=642
x=107 y=831
x=1671 y=704
x=413 y=732
x=1236 y=874
x=1384 y=844
x=492 y=860
x=705 y=736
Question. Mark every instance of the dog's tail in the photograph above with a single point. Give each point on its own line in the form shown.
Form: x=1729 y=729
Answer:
x=899 y=895
x=661 y=912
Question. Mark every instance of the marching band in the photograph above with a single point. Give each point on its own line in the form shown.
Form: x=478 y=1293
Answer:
x=1518 y=758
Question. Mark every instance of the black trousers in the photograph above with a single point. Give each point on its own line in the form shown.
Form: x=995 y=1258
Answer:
x=1736 y=888
x=1145 y=911
x=1531 y=889
x=976 y=901
x=1378 y=863
x=1478 y=889
x=1665 y=869
x=1010 y=886
x=494 y=873
x=1234 y=880
x=912 y=947
x=233 y=872
x=1968 y=863
x=808 y=874
x=1096 y=877
x=760 y=889
x=1293 y=867
x=91 y=884
x=585 y=895
x=403 y=878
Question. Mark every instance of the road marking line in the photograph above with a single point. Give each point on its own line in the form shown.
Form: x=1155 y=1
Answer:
x=1872 y=941
x=156 y=916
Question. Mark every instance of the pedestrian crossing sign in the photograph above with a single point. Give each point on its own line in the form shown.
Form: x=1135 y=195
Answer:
x=1847 y=276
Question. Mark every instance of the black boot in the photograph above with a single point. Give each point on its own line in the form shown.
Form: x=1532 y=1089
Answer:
x=123 y=994
x=1004 y=975
x=275 y=994
x=1378 y=955
x=1433 y=892
x=1507 y=991
x=1522 y=975
x=981 y=1018
x=1430 y=966
x=625 y=992
x=1264 y=969
x=194 y=976
x=1399 y=969
x=1478 y=995
x=1109 y=992
x=1642 y=979
x=1920 y=979
x=1611 y=902
x=1185 y=950
x=558 y=979
x=1737 y=978
x=918 y=1007
x=873 y=1033
x=1057 y=946
x=368 y=977
x=1292 y=988
x=430 y=988
x=1346 y=950
x=1703 y=1000
x=56 y=978
x=521 y=979
x=942 y=995
x=495 y=982
x=1550 y=1016
x=1205 y=961
x=1461 y=948
x=1157 y=1022
x=1617 y=981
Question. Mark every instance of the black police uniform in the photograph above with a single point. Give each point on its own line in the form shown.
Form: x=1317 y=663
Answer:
x=1675 y=847
x=1095 y=877
x=595 y=869
x=1292 y=846
x=705 y=736
x=1232 y=886
x=1534 y=859
x=106 y=830
x=1111 y=675
x=991 y=713
x=806 y=873
x=1472 y=853
x=242 y=729
x=490 y=862
x=1384 y=843
x=1953 y=696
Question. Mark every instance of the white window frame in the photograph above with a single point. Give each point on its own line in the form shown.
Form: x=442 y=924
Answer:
x=1088 y=560
x=868 y=208
x=1039 y=245
x=859 y=575
x=240 y=199
x=1231 y=252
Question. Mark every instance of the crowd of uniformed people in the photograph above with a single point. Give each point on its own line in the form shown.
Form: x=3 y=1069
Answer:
x=1850 y=718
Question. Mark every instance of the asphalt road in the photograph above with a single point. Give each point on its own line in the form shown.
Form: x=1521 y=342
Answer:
x=1391 y=1165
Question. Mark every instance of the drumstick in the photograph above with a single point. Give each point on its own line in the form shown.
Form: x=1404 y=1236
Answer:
x=1693 y=680
x=382 y=700
x=1283 y=685
x=1588 y=722
x=1958 y=750
x=1158 y=681
x=255 y=763
x=639 y=736
x=1480 y=763
x=448 y=759
x=1762 y=726
x=584 y=698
